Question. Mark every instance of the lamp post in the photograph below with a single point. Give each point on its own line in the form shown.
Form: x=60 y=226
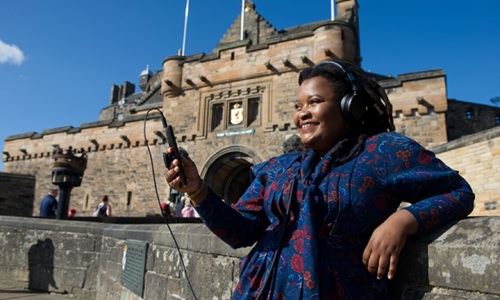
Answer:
x=67 y=172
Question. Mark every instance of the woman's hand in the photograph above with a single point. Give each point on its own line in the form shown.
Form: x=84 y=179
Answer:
x=382 y=252
x=173 y=178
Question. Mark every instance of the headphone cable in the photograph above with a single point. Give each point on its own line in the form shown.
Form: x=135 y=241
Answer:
x=159 y=203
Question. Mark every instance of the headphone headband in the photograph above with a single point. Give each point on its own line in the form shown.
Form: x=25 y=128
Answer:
x=345 y=69
x=352 y=105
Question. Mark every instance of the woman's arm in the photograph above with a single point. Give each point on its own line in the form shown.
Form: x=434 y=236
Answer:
x=438 y=194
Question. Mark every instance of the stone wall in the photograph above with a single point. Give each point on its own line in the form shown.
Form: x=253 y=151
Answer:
x=419 y=105
x=465 y=118
x=124 y=172
x=86 y=259
x=477 y=157
x=17 y=194
x=50 y=255
x=115 y=167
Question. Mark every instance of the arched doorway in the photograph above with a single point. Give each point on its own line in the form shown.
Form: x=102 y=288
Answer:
x=228 y=172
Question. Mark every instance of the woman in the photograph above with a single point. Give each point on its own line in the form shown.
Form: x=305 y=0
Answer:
x=103 y=209
x=325 y=223
x=187 y=210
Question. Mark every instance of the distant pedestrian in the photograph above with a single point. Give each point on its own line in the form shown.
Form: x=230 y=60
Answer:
x=103 y=209
x=188 y=210
x=168 y=207
x=179 y=206
x=48 y=205
x=72 y=213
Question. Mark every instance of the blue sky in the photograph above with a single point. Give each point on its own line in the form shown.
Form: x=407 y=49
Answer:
x=59 y=58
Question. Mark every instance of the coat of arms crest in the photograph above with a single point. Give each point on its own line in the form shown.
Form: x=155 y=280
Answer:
x=236 y=114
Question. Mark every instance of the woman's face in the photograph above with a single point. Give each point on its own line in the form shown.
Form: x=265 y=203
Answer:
x=317 y=115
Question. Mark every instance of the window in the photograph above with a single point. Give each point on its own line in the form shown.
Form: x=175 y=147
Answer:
x=490 y=205
x=497 y=119
x=129 y=198
x=236 y=113
x=217 y=116
x=469 y=114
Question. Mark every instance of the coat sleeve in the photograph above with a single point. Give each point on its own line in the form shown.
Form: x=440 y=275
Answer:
x=438 y=194
x=243 y=223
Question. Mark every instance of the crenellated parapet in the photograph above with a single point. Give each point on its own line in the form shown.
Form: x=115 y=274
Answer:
x=420 y=104
x=88 y=138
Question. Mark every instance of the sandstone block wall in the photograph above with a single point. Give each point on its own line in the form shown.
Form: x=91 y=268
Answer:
x=477 y=158
x=419 y=105
x=17 y=195
x=124 y=173
x=115 y=167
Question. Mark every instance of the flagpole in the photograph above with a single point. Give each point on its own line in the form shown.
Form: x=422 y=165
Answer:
x=242 y=31
x=333 y=9
x=185 y=28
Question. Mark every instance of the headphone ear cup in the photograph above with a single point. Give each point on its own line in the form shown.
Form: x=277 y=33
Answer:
x=353 y=108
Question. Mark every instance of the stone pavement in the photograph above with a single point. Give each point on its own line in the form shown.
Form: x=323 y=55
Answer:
x=29 y=295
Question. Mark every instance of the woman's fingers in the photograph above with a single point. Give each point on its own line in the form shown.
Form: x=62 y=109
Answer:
x=173 y=178
x=380 y=256
x=392 y=266
x=382 y=266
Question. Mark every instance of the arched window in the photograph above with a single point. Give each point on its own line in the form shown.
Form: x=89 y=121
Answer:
x=497 y=119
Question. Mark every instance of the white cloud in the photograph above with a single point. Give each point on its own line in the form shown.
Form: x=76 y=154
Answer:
x=10 y=54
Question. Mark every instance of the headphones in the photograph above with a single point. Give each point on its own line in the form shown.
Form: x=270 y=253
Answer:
x=353 y=105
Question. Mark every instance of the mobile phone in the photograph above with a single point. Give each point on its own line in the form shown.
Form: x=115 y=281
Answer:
x=167 y=159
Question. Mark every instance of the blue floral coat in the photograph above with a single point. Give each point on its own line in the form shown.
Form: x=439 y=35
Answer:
x=333 y=211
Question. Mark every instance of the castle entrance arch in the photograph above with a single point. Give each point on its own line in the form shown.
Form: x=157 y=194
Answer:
x=228 y=172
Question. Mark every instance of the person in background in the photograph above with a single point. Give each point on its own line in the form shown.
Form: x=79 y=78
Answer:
x=103 y=209
x=72 y=213
x=326 y=223
x=168 y=208
x=48 y=205
x=188 y=210
x=179 y=206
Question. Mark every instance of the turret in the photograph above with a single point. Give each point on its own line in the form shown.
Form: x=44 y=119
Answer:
x=144 y=78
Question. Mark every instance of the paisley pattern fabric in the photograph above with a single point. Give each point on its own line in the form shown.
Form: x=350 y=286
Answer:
x=333 y=212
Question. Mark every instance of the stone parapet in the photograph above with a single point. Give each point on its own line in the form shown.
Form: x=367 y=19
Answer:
x=86 y=259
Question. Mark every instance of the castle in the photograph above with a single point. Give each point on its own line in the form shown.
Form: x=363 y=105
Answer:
x=230 y=110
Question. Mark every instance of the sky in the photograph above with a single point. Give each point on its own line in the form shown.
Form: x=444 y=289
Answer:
x=59 y=58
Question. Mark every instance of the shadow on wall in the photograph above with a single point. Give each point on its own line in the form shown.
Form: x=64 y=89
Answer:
x=41 y=266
